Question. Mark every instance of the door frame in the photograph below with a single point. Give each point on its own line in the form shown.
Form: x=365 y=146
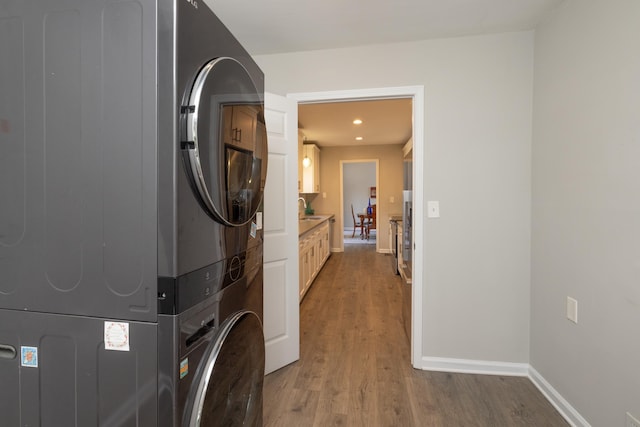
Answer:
x=416 y=93
x=343 y=219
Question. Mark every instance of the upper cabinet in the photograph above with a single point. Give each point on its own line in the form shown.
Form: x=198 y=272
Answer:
x=300 y=156
x=310 y=169
x=240 y=123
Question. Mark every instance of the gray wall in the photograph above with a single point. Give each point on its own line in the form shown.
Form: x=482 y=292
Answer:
x=478 y=101
x=586 y=207
x=357 y=178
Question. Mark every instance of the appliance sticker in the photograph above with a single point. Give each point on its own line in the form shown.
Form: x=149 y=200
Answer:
x=29 y=356
x=116 y=336
x=254 y=228
x=184 y=368
x=259 y=220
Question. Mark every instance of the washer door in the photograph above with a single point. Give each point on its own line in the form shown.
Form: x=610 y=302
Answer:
x=225 y=141
x=227 y=390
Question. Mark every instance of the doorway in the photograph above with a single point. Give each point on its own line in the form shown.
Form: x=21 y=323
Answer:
x=358 y=181
x=416 y=93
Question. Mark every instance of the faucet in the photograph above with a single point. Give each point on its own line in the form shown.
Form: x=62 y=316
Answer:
x=304 y=203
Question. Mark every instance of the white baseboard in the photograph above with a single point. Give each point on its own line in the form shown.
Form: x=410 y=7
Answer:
x=569 y=413
x=475 y=366
x=483 y=367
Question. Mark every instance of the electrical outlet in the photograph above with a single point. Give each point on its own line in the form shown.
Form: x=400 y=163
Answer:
x=632 y=421
x=572 y=310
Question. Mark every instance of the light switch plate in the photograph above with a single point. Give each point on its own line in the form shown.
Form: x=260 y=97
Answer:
x=433 y=209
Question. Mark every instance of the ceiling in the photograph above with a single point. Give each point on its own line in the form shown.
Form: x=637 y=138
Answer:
x=279 y=26
x=383 y=122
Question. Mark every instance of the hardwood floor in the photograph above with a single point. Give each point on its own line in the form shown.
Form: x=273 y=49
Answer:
x=354 y=367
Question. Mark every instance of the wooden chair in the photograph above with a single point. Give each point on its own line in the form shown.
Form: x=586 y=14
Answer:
x=357 y=224
x=371 y=223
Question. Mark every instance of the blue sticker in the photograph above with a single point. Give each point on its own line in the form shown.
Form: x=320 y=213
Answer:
x=29 y=356
x=254 y=229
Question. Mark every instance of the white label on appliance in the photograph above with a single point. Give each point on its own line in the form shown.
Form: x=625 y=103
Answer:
x=29 y=356
x=116 y=336
x=259 y=220
x=254 y=229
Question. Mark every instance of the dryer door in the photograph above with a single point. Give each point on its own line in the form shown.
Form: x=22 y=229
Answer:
x=227 y=390
x=224 y=141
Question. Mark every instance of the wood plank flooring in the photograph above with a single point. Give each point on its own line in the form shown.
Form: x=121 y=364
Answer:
x=354 y=367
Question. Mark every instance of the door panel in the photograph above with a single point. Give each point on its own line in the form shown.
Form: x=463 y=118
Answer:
x=228 y=391
x=281 y=307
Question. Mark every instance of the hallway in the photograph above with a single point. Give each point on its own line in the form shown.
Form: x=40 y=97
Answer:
x=354 y=367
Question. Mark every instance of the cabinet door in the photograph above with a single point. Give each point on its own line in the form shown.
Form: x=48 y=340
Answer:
x=316 y=169
x=300 y=157
x=327 y=249
x=306 y=265
x=313 y=253
x=240 y=126
x=311 y=173
x=301 y=269
x=321 y=250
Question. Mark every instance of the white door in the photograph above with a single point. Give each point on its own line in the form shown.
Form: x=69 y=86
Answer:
x=281 y=305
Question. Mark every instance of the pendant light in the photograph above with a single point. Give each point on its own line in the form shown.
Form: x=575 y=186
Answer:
x=306 y=161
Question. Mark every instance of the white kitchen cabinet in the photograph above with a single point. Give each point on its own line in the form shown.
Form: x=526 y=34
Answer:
x=306 y=275
x=314 y=251
x=300 y=157
x=311 y=172
x=240 y=123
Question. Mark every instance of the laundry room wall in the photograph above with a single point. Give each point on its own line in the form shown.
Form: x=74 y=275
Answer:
x=477 y=163
x=586 y=209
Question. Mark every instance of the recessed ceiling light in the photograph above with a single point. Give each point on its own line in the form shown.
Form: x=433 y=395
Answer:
x=357 y=122
x=358 y=138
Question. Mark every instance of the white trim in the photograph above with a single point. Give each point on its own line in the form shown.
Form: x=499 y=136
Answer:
x=419 y=237
x=569 y=413
x=417 y=94
x=482 y=367
x=349 y=95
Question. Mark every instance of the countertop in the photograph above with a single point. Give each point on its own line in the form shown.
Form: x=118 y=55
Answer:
x=309 y=222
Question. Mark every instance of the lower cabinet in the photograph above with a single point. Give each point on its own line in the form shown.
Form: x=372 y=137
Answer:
x=314 y=251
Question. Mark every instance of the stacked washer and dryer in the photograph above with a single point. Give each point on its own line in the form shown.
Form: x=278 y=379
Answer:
x=133 y=159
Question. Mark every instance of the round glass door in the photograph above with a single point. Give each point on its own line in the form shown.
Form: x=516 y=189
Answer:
x=228 y=387
x=225 y=150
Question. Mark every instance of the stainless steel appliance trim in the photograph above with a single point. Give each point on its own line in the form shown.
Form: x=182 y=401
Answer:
x=192 y=135
x=195 y=416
